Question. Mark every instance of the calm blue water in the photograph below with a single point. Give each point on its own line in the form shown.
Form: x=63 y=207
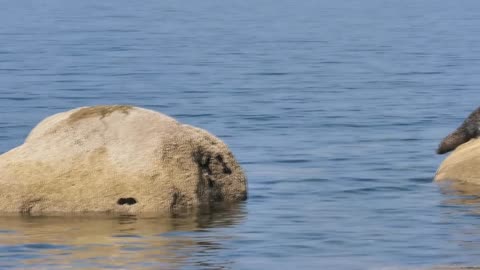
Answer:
x=334 y=109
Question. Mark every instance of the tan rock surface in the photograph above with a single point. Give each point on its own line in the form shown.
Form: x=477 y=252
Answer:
x=117 y=159
x=463 y=164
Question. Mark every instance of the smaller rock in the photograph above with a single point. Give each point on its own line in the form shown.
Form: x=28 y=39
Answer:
x=463 y=164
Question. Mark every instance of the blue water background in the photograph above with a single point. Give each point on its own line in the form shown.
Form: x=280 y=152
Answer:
x=334 y=109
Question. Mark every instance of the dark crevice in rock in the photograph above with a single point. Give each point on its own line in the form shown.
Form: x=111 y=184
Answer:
x=226 y=169
x=212 y=169
x=128 y=201
x=210 y=182
x=174 y=200
x=178 y=200
x=205 y=164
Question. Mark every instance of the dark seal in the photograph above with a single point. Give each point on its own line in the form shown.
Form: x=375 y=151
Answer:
x=468 y=130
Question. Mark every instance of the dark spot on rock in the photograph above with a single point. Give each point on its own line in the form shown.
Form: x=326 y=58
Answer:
x=178 y=200
x=205 y=164
x=101 y=111
x=210 y=183
x=128 y=201
x=226 y=169
x=217 y=196
x=174 y=200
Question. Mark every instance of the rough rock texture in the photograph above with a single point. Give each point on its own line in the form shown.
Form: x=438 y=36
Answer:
x=463 y=164
x=117 y=159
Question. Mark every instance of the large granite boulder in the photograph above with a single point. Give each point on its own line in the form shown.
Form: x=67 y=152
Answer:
x=117 y=159
x=463 y=164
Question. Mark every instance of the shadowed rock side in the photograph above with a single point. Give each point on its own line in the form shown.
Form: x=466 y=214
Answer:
x=117 y=159
x=468 y=130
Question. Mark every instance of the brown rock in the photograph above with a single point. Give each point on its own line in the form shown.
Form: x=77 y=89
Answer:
x=463 y=164
x=117 y=159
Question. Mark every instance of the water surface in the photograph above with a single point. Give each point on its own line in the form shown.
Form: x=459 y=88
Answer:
x=334 y=109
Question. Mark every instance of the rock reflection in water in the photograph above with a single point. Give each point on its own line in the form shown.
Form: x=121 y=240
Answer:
x=461 y=206
x=125 y=242
x=460 y=193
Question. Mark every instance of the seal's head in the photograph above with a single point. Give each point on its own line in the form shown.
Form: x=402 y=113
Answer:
x=468 y=130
